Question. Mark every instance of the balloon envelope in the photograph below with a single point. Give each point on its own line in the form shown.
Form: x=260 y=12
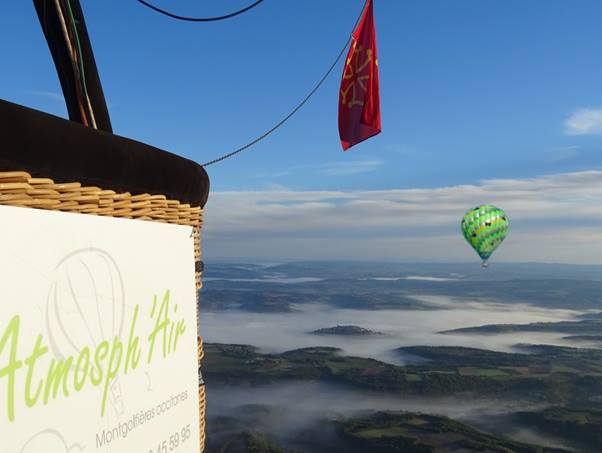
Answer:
x=86 y=302
x=485 y=227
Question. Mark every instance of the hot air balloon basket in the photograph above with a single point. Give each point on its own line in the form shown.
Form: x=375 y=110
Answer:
x=19 y=188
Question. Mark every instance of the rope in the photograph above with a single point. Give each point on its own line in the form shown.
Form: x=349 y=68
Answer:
x=295 y=110
x=199 y=19
x=81 y=64
x=74 y=64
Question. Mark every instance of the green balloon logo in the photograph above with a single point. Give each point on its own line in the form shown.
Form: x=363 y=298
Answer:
x=485 y=227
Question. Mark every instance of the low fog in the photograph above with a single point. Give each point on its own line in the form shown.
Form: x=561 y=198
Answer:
x=300 y=406
x=297 y=410
x=279 y=332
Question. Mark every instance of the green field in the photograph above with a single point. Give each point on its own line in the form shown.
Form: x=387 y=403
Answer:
x=568 y=378
x=556 y=375
x=377 y=432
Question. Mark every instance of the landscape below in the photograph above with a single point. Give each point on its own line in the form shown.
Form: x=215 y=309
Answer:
x=538 y=397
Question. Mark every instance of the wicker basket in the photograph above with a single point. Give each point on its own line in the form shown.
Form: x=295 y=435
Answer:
x=19 y=188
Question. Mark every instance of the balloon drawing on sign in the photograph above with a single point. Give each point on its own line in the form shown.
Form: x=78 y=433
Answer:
x=485 y=227
x=49 y=441
x=86 y=305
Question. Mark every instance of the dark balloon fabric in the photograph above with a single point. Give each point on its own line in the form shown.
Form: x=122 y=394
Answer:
x=51 y=147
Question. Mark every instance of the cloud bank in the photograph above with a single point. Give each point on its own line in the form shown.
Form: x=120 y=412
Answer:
x=554 y=218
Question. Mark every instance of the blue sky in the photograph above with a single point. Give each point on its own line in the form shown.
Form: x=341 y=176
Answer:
x=471 y=91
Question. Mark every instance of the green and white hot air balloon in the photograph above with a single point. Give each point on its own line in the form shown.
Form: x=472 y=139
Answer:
x=485 y=227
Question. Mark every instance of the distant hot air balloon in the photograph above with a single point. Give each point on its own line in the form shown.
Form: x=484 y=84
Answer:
x=485 y=227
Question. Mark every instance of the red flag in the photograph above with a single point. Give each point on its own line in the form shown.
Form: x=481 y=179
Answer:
x=359 y=99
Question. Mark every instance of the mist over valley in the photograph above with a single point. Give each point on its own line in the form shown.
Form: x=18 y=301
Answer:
x=430 y=356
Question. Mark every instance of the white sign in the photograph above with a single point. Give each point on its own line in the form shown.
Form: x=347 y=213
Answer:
x=97 y=335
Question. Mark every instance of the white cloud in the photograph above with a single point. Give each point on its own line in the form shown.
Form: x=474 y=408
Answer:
x=554 y=218
x=48 y=95
x=406 y=151
x=563 y=153
x=584 y=121
x=350 y=168
x=342 y=168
